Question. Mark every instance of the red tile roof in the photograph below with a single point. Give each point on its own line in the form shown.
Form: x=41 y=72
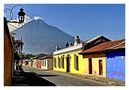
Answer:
x=116 y=44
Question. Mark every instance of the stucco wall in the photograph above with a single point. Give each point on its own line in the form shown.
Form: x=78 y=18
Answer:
x=115 y=65
x=72 y=69
x=8 y=56
x=44 y=64
x=50 y=64
x=95 y=64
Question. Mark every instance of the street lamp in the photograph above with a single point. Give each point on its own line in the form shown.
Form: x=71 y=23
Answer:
x=21 y=14
x=21 y=17
x=11 y=52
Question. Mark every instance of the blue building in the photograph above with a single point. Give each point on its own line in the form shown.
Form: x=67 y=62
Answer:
x=115 y=61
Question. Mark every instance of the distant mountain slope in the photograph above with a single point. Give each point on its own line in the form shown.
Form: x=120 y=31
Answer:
x=39 y=37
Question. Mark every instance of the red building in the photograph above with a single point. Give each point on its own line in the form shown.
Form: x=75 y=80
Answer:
x=37 y=63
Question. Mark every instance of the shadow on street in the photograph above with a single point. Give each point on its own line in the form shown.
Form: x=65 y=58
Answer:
x=35 y=80
x=30 y=79
x=47 y=75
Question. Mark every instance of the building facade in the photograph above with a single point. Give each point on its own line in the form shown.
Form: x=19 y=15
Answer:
x=69 y=59
x=106 y=60
x=8 y=56
x=47 y=63
x=38 y=63
x=115 y=62
x=94 y=64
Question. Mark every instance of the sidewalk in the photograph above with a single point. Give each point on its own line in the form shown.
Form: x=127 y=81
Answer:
x=110 y=82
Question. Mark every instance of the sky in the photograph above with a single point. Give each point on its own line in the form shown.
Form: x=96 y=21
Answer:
x=85 y=20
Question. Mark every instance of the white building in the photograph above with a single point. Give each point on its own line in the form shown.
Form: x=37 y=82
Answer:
x=47 y=63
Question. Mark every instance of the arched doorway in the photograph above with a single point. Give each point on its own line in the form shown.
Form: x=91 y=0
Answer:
x=68 y=63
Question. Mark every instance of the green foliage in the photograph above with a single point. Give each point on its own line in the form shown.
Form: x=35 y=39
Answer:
x=27 y=56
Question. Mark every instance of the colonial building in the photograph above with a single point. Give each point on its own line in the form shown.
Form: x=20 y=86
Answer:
x=37 y=63
x=106 y=60
x=34 y=63
x=8 y=56
x=69 y=60
x=115 y=61
x=47 y=62
x=26 y=62
x=43 y=62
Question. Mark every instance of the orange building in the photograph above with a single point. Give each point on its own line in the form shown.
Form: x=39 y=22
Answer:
x=8 y=55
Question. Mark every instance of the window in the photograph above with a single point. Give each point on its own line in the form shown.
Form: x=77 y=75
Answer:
x=59 y=62
x=45 y=62
x=62 y=61
x=55 y=62
x=76 y=62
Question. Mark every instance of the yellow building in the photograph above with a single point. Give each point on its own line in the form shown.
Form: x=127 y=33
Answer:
x=94 y=64
x=95 y=60
x=69 y=59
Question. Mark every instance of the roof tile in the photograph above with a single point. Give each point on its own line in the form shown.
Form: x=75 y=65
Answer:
x=116 y=44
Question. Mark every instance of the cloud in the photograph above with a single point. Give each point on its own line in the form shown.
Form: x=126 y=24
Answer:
x=13 y=26
x=27 y=19
x=37 y=17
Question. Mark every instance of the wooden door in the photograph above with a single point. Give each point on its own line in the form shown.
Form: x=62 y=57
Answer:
x=90 y=66
x=100 y=67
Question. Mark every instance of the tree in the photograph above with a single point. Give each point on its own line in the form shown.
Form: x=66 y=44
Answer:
x=28 y=56
x=18 y=45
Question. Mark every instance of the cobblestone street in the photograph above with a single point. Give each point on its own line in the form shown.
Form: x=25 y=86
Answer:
x=35 y=77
